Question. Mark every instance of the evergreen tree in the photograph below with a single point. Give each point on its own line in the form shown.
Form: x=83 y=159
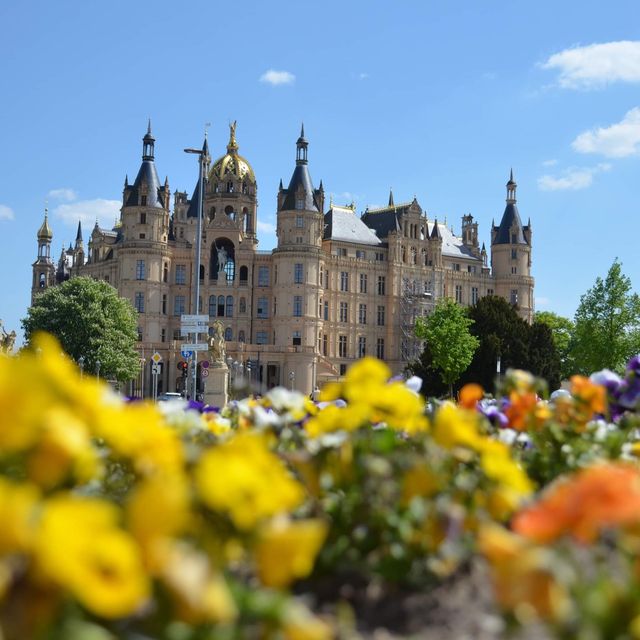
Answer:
x=91 y=321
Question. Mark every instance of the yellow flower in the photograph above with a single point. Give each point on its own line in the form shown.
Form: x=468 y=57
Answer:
x=301 y=624
x=287 y=550
x=243 y=478
x=17 y=508
x=419 y=481
x=79 y=547
x=454 y=427
x=332 y=418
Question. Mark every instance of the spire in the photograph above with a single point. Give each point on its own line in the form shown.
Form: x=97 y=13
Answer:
x=391 y=203
x=321 y=187
x=148 y=144
x=435 y=232
x=301 y=148
x=281 y=187
x=126 y=180
x=302 y=131
x=44 y=232
x=79 y=235
x=149 y=127
x=511 y=189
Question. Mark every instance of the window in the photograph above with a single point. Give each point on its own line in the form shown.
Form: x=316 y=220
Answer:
x=140 y=336
x=325 y=344
x=360 y=254
x=344 y=312
x=297 y=306
x=514 y=238
x=163 y=335
x=143 y=201
x=243 y=305
x=342 y=346
x=326 y=279
x=164 y=304
x=299 y=204
x=275 y=307
x=263 y=276
x=143 y=217
x=344 y=281
x=244 y=274
x=43 y=280
x=381 y=285
x=261 y=337
x=459 y=293
x=489 y=292
x=165 y=272
x=298 y=239
x=326 y=310
x=380 y=349
x=229 y=309
x=343 y=369
x=142 y=236
x=262 y=309
x=241 y=336
x=342 y=252
x=140 y=270
x=514 y=296
x=220 y=307
x=362 y=347
x=381 y=315
x=514 y=270
x=178 y=305
x=362 y=314
x=212 y=305
x=379 y=256
x=474 y=295
x=139 y=302
x=321 y=281
x=297 y=338
x=297 y=273
x=363 y=283
x=181 y=274
x=228 y=334
x=319 y=307
x=514 y=254
x=299 y=222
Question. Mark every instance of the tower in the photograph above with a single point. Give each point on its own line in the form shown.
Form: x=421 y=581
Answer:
x=43 y=268
x=511 y=256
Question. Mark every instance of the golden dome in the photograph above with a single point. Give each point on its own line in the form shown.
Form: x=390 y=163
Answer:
x=44 y=232
x=232 y=165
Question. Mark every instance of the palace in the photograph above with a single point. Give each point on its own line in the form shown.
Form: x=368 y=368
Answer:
x=337 y=286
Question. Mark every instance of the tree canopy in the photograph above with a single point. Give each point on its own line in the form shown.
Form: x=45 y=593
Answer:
x=562 y=330
x=451 y=345
x=91 y=321
x=607 y=324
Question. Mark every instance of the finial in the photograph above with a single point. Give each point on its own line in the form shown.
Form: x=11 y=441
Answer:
x=511 y=175
x=149 y=127
x=302 y=130
x=233 y=145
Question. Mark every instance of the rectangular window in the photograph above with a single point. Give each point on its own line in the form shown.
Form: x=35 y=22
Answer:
x=275 y=307
x=298 y=239
x=139 y=302
x=143 y=218
x=178 y=305
x=326 y=310
x=380 y=349
x=140 y=270
x=344 y=281
x=344 y=312
x=362 y=314
x=143 y=201
x=360 y=254
x=381 y=315
x=362 y=347
x=342 y=346
x=263 y=276
x=163 y=335
x=297 y=338
x=474 y=295
x=459 y=293
x=489 y=292
x=379 y=256
x=514 y=296
x=299 y=222
x=514 y=254
x=297 y=306
x=514 y=270
x=363 y=283
x=381 y=285
x=261 y=337
x=325 y=344
x=297 y=273
x=181 y=274
x=262 y=308
x=164 y=304
x=342 y=252
x=456 y=266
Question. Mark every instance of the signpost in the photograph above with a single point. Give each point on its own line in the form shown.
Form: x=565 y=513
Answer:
x=194 y=324
x=156 y=359
x=193 y=346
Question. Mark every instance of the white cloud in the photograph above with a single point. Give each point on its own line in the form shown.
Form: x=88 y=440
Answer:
x=266 y=227
x=68 y=195
x=276 y=78
x=6 y=213
x=542 y=301
x=616 y=141
x=597 y=65
x=572 y=179
x=363 y=76
x=87 y=211
x=549 y=163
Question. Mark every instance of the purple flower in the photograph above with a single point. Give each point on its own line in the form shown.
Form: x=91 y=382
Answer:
x=608 y=379
x=634 y=365
x=490 y=410
x=629 y=396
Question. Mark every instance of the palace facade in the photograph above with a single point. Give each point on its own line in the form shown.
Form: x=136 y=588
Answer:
x=337 y=286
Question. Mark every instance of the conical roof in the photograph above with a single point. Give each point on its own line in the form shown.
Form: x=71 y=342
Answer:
x=44 y=232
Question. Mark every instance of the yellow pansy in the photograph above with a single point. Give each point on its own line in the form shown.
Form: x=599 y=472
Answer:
x=17 y=507
x=454 y=427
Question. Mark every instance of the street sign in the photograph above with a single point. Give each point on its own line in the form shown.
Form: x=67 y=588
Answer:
x=190 y=323
x=155 y=368
x=196 y=346
x=186 y=354
x=194 y=319
x=204 y=373
x=204 y=364
x=156 y=357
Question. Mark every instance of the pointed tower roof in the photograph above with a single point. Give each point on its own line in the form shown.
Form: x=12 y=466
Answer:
x=435 y=232
x=192 y=211
x=300 y=180
x=147 y=179
x=44 y=232
x=390 y=198
x=510 y=224
x=79 y=234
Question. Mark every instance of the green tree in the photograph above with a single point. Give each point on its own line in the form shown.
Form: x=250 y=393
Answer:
x=90 y=320
x=607 y=324
x=562 y=330
x=544 y=359
x=446 y=331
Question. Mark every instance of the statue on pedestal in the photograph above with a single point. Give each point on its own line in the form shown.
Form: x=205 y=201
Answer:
x=217 y=350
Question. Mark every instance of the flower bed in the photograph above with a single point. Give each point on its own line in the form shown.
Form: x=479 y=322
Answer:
x=282 y=518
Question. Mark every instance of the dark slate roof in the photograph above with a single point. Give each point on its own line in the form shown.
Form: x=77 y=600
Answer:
x=435 y=232
x=341 y=223
x=509 y=217
x=149 y=176
x=192 y=211
x=300 y=179
x=382 y=221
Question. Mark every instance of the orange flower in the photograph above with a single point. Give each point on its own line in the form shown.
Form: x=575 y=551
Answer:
x=601 y=496
x=592 y=397
x=470 y=394
x=521 y=409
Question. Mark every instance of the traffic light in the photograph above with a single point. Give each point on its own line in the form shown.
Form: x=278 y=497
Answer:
x=184 y=367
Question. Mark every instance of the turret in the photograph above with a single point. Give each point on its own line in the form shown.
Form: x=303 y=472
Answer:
x=43 y=269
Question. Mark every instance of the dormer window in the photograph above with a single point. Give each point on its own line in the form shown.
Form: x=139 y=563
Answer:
x=299 y=222
x=143 y=201
x=143 y=216
x=300 y=203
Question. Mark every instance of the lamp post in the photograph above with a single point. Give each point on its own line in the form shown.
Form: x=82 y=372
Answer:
x=142 y=363
x=292 y=378
x=202 y=156
x=81 y=365
x=98 y=363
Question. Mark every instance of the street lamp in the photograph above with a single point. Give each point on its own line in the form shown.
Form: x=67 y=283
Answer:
x=292 y=378
x=98 y=363
x=81 y=365
x=202 y=156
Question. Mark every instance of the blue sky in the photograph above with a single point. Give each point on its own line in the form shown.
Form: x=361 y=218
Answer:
x=436 y=99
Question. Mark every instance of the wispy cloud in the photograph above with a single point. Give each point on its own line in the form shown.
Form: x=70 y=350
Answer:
x=616 y=141
x=266 y=227
x=549 y=163
x=88 y=211
x=542 y=301
x=363 y=76
x=573 y=179
x=276 y=78
x=596 y=65
x=66 y=195
x=6 y=213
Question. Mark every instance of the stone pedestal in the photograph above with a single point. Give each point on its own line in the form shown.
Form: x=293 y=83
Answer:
x=216 y=385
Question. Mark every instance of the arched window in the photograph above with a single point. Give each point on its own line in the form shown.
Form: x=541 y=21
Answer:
x=228 y=334
x=220 y=309
x=244 y=274
x=42 y=280
x=245 y=220
x=244 y=187
x=230 y=212
x=222 y=259
x=212 y=305
x=229 y=187
x=241 y=336
x=229 y=310
x=165 y=272
x=212 y=213
x=243 y=305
